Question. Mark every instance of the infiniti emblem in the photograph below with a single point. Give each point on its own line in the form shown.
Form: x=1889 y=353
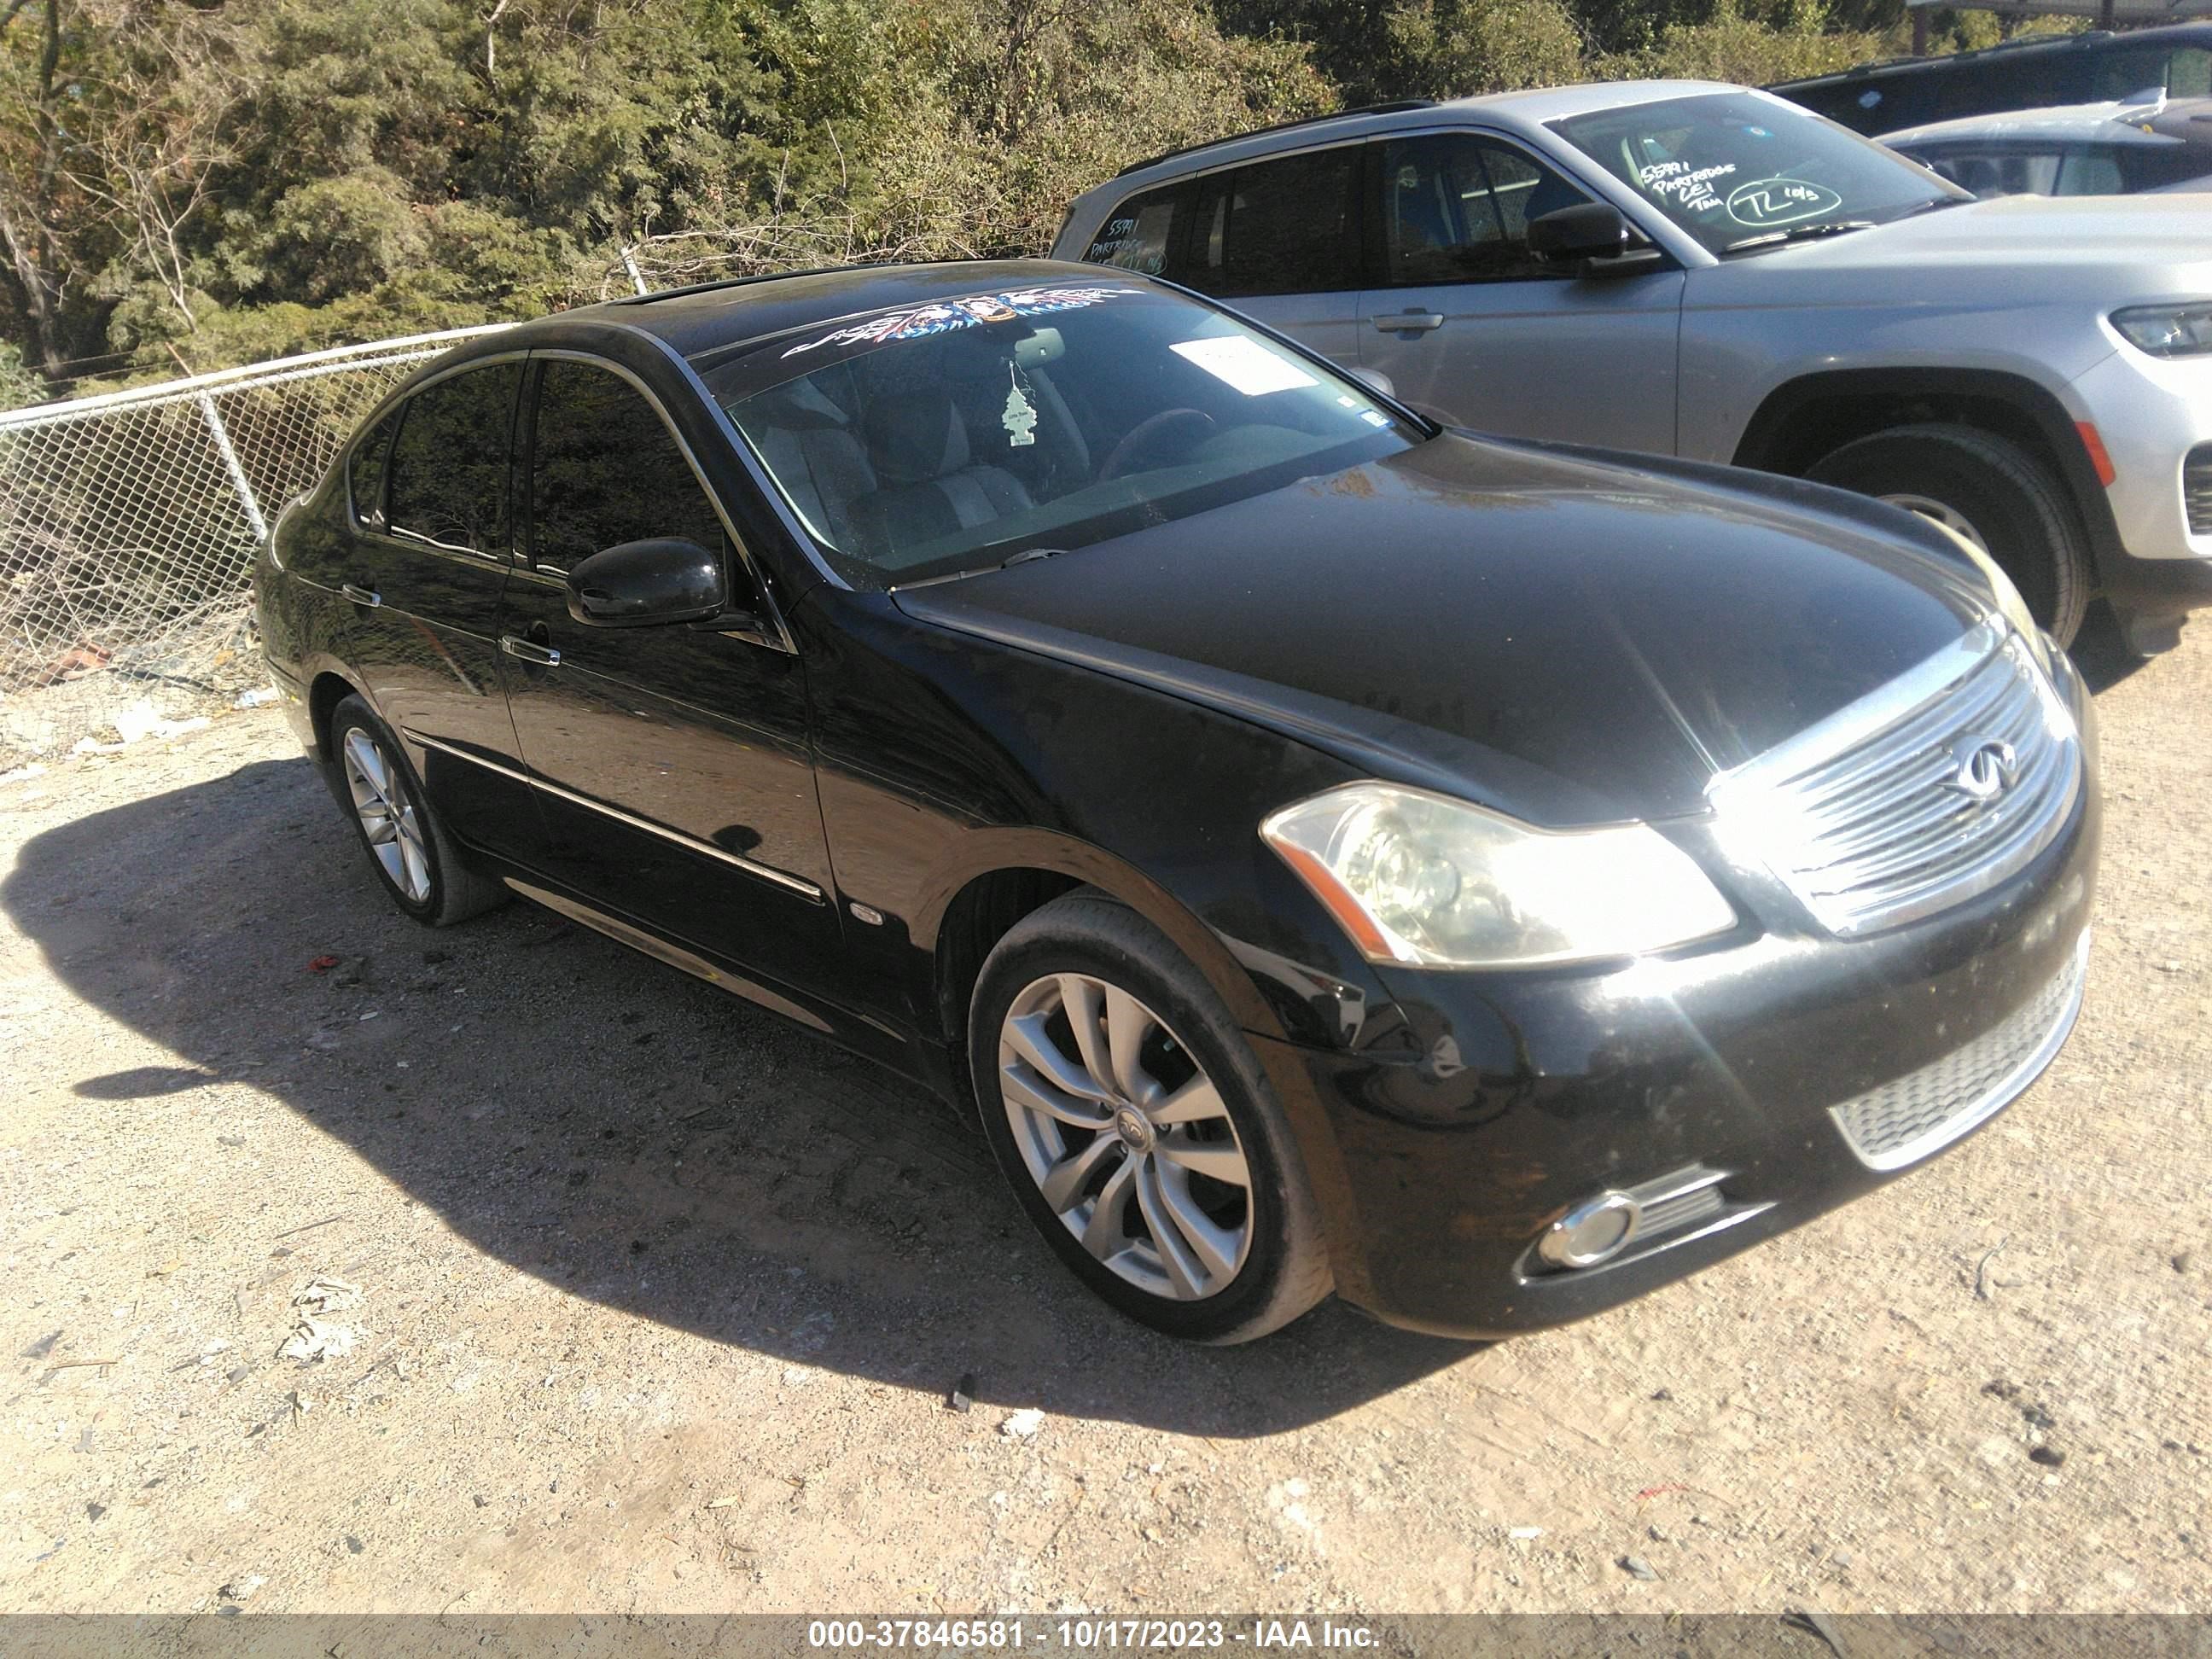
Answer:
x=1987 y=768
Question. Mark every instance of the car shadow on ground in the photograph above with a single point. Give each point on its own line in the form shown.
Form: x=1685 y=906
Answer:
x=2100 y=654
x=614 y=1126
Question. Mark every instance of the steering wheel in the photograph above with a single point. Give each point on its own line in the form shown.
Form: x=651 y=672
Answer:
x=1132 y=443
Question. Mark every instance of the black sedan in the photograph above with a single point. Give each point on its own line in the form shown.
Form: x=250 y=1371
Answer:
x=1487 y=879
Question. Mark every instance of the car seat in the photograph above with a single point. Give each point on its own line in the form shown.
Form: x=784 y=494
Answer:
x=927 y=484
x=807 y=443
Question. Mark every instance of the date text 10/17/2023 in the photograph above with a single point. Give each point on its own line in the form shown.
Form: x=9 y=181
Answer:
x=1087 y=1635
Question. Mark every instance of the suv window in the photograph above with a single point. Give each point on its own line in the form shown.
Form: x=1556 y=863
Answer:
x=1456 y=209
x=2184 y=72
x=605 y=469
x=1142 y=234
x=365 y=472
x=447 y=481
x=1282 y=227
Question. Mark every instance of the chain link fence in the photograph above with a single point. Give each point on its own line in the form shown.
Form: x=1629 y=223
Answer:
x=128 y=526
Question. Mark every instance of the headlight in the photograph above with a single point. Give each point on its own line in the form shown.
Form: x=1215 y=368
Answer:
x=1419 y=878
x=2182 y=330
x=2013 y=608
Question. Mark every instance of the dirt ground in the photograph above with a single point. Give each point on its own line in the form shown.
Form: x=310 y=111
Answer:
x=660 y=1300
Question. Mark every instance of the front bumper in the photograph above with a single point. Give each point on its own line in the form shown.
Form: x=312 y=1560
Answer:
x=1515 y=1097
x=2151 y=413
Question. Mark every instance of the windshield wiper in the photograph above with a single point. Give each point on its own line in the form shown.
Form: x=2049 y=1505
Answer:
x=1930 y=205
x=1799 y=234
x=1025 y=556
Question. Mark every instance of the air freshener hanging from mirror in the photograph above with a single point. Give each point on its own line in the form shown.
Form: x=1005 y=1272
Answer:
x=1020 y=417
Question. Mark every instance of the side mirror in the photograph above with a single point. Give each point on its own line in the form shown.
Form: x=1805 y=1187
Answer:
x=1588 y=230
x=638 y=583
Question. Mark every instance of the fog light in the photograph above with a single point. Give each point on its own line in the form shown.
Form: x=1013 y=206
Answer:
x=1592 y=1232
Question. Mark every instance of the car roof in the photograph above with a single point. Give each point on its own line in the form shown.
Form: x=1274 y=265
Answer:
x=711 y=315
x=1523 y=110
x=2115 y=124
x=2195 y=33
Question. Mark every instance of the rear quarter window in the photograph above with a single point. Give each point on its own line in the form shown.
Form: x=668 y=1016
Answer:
x=1142 y=235
x=365 y=471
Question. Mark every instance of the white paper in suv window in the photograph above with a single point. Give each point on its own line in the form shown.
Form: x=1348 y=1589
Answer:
x=1243 y=364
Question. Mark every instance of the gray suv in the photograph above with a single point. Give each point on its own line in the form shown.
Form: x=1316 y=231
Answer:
x=1706 y=271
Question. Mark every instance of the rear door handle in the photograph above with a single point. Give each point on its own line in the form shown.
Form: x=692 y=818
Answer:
x=1409 y=322
x=361 y=595
x=529 y=651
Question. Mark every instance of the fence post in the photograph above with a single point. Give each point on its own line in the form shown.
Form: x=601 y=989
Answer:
x=238 y=479
x=630 y=264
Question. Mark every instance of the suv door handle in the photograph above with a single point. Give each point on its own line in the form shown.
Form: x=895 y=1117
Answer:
x=529 y=651
x=1409 y=322
x=361 y=595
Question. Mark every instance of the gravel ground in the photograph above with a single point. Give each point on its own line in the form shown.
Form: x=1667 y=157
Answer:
x=660 y=1301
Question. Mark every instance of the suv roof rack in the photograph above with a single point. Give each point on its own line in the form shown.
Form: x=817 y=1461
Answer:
x=1390 y=108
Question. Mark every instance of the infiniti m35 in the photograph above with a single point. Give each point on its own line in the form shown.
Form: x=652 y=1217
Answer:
x=1323 y=850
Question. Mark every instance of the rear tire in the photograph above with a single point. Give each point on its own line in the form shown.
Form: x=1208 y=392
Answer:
x=407 y=843
x=1109 y=1073
x=1990 y=489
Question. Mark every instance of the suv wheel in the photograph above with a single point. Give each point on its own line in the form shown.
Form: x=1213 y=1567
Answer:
x=1137 y=1129
x=1990 y=490
x=406 y=841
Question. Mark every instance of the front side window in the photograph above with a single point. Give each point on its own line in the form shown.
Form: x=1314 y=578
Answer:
x=1281 y=226
x=2089 y=172
x=952 y=436
x=446 y=482
x=1742 y=172
x=1456 y=209
x=1142 y=234
x=605 y=469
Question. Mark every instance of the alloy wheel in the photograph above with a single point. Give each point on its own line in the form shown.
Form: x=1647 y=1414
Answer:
x=1948 y=516
x=1128 y=1141
x=387 y=814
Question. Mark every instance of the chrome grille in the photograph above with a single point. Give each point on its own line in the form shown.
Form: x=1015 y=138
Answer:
x=2196 y=490
x=1903 y=1120
x=1869 y=817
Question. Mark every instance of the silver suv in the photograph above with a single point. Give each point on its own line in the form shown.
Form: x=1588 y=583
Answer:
x=1701 y=270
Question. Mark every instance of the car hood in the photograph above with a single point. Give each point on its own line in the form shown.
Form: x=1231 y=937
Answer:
x=2039 y=235
x=1568 y=636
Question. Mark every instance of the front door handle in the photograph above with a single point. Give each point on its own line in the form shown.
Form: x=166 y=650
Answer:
x=1408 y=322
x=529 y=651
x=361 y=595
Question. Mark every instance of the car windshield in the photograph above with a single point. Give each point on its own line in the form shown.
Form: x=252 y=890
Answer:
x=1739 y=172
x=955 y=437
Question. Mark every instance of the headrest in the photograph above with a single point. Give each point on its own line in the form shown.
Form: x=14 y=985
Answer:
x=914 y=435
x=796 y=405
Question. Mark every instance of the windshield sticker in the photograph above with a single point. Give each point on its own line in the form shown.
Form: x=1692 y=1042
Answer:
x=1676 y=183
x=1243 y=364
x=1765 y=203
x=965 y=312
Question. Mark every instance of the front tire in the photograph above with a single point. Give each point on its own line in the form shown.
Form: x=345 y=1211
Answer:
x=407 y=843
x=1137 y=1129
x=1990 y=490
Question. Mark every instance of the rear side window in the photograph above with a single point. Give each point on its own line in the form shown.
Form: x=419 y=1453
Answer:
x=1143 y=234
x=447 y=480
x=1282 y=227
x=365 y=471
x=2124 y=74
x=605 y=469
